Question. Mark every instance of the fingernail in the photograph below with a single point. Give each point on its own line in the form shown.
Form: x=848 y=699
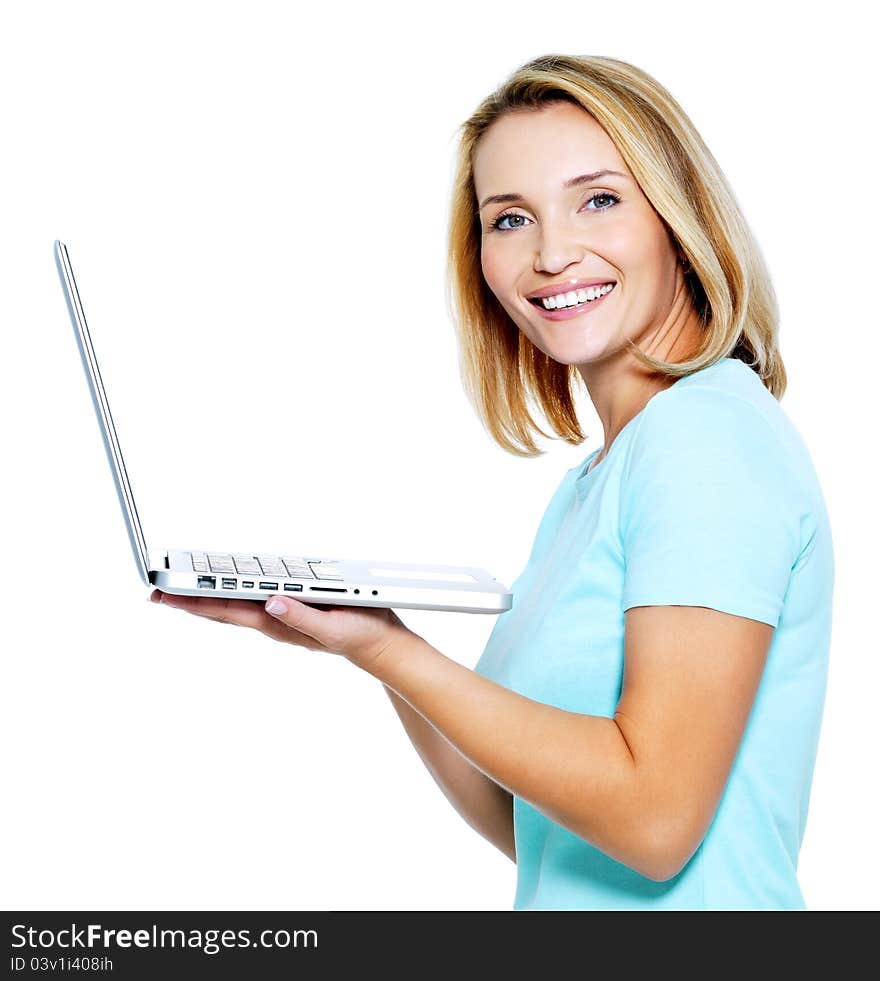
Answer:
x=276 y=606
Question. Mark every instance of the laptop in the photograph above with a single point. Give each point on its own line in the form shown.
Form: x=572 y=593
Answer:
x=250 y=575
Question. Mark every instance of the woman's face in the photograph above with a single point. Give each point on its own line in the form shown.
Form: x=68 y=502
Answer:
x=601 y=229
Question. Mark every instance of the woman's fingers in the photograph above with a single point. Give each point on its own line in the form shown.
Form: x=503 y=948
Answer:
x=242 y=613
x=358 y=634
x=246 y=613
x=302 y=618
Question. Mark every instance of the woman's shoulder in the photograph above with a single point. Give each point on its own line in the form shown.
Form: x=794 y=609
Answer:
x=722 y=420
x=726 y=401
x=729 y=388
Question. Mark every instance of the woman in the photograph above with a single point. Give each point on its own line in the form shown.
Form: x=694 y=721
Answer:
x=641 y=729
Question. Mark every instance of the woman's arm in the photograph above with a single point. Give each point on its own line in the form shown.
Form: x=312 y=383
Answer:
x=486 y=807
x=566 y=765
x=642 y=786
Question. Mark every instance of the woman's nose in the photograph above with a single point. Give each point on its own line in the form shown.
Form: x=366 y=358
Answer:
x=559 y=246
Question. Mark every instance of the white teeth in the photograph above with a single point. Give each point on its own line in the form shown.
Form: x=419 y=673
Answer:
x=574 y=297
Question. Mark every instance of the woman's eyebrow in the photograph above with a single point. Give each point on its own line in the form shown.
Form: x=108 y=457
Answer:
x=572 y=182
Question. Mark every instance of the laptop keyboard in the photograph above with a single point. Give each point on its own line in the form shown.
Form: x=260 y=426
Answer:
x=288 y=567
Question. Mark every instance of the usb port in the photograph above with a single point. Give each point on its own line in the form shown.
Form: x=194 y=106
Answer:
x=229 y=584
x=247 y=584
x=207 y=582
x=293 y=587
x=268 y=585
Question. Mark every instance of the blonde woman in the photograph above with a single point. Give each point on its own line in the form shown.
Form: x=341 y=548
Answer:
x=641 y=729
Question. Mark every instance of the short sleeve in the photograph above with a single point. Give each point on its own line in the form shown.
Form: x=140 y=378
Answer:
x=709 y=513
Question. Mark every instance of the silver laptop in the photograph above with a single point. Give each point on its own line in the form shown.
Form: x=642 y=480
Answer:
x=245 y=575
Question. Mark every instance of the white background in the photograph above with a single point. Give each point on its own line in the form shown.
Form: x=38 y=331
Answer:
x=255 y=199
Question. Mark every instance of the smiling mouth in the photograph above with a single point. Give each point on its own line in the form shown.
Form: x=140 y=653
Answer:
x=581 y=301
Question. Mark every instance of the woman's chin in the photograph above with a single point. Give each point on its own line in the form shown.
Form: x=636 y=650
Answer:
x=574 y=351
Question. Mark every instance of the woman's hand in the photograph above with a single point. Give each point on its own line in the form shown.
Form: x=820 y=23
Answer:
x=360 y=634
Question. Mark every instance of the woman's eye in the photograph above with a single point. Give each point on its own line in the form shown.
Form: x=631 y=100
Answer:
x=497 y=222
x=602 y=194
x=512 y=216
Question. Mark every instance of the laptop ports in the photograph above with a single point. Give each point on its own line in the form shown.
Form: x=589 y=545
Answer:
x=268 y=585
x=229 y=583
x=207 y=582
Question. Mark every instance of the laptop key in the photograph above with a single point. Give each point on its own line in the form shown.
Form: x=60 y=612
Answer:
x=199 y=561
x=247 y=565
x=297 y=568
x=272 y=565
x=220 y=563
x=326 y=570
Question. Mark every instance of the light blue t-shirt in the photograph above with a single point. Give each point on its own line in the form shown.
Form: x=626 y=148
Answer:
x=707 y=497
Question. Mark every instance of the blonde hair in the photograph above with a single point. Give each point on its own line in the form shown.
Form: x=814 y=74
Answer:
x=728 y=279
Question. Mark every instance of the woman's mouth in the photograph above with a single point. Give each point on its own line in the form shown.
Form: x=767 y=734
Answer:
x=575 y=303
